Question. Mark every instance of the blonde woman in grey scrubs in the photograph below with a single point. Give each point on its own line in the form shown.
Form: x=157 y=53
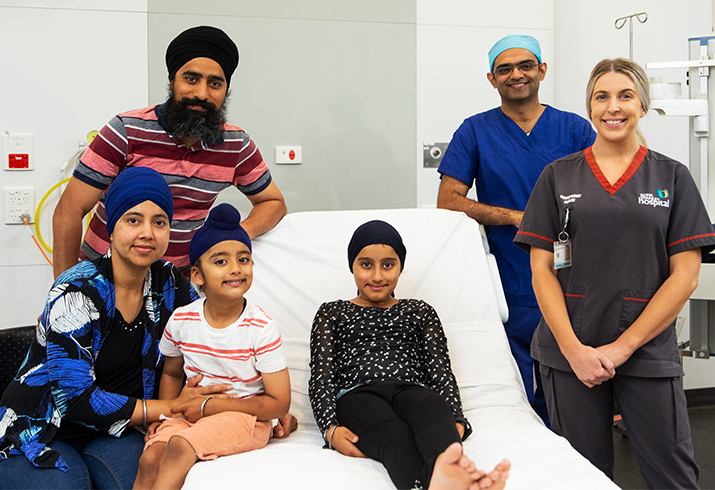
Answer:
x=615 y=234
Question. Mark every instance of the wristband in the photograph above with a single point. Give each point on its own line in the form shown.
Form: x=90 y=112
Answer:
x=144 y=412
x=203 y=404
x=330 y=441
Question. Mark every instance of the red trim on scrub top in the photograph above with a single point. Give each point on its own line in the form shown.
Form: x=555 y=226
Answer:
x=535 y=235
x=691 y=238
x=612 y=189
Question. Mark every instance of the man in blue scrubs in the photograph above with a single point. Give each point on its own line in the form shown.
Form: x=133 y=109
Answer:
x=503 y=152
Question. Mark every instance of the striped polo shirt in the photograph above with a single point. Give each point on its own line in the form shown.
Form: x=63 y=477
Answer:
x=195 y=175
x=235 y=355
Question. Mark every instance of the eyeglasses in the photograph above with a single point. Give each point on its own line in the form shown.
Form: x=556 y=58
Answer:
x=523 y=67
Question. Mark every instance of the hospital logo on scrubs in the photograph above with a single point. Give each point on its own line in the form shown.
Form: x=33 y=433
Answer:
x=570 y=198
x=661 y=200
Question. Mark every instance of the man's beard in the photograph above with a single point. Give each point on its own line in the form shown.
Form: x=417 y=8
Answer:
x=187 y=123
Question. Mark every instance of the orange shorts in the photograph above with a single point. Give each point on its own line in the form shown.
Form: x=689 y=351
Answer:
x=217 y=435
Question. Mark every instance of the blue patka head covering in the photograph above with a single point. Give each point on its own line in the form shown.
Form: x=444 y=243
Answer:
x=223 y=223
x=514 y=41
x=376 y=233
x=134 y=186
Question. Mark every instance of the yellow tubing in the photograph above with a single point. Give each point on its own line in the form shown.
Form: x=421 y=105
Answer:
x=39 y=209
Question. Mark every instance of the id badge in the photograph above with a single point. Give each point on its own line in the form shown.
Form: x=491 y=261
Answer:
x=562 y=254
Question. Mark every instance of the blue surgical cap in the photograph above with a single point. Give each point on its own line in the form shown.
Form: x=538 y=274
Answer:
x=514 y=41
x=134 y=186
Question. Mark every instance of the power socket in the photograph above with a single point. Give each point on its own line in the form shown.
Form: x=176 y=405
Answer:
x=19 y=201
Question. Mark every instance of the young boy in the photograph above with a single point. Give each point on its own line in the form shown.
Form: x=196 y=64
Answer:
x=228 y=340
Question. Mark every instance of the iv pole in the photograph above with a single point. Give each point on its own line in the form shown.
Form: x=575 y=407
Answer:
x=642 y=17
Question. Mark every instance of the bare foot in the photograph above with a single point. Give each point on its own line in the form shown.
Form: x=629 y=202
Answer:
x=453 y=470
x=496 y=480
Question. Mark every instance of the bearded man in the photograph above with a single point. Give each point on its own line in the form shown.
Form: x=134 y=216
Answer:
x=187 y=140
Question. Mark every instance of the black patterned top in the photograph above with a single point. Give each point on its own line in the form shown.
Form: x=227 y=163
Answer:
x=353 y=345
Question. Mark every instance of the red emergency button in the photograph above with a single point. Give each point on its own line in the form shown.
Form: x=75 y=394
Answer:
x=291 y=155
x=19 y=160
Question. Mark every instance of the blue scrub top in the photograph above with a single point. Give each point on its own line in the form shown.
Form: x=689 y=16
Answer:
x=505 y=162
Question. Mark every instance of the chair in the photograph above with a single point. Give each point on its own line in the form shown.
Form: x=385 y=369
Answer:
x=14 y=342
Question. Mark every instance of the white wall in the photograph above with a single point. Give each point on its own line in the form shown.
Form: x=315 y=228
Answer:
x=334 y=77
x=67 y=68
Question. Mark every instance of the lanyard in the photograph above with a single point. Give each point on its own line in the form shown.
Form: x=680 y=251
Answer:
x=564 y=236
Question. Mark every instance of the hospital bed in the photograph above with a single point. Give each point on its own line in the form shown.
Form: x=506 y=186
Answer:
x=303 y=263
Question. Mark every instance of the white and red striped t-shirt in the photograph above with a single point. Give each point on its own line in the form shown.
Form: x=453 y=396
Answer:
x=236 y=355
x=195 y=175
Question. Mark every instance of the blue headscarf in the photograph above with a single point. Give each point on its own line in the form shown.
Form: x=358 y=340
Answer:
x=134 y=186
x=376 y=233
x=514 y=41
x=223 y=223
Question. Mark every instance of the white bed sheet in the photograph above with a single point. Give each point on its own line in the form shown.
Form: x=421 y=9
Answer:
x=303 y=263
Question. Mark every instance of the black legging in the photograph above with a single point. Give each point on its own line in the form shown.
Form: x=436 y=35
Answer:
x=402 y=425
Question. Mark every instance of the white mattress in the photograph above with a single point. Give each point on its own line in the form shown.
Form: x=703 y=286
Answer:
x=303 y=263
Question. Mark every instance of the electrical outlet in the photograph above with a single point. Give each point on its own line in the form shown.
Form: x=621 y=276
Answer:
x=19 y=201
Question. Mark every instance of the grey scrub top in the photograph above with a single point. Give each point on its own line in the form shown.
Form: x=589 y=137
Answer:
x=622 y=237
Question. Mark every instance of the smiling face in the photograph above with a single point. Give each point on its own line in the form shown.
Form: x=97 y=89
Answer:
x=376 y=270
x=225 y=271
x=141 y=236
x=615 y=108
x=200 y=84
x=196 y=109
x=517 y=85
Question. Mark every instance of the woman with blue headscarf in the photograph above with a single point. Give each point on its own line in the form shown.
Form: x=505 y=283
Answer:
x=91 y=374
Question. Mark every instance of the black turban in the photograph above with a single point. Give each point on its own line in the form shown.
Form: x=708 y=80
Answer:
x=202 y=42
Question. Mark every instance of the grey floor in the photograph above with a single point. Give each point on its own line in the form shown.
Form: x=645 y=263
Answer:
x=627 y=475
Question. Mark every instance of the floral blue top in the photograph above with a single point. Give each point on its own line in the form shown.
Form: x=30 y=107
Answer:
x=57 y=381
